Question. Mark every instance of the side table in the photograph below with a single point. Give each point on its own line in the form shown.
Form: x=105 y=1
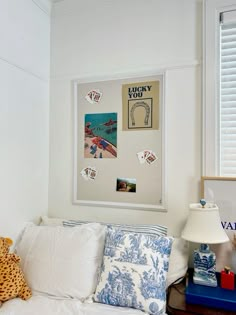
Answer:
x=176 y=304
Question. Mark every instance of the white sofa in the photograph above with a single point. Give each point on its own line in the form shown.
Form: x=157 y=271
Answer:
x=72 y=271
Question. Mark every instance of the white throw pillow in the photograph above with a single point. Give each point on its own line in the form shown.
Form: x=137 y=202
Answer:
x=134 y=271
x=62 y=262
x=178 y=261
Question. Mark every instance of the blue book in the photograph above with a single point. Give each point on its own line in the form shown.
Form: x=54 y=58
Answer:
x=214 y=297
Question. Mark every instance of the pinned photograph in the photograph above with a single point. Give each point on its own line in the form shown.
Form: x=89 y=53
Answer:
x=89 y=173
x=147 y=156
x=100 y=135
x=93 y=96
x=126 y=184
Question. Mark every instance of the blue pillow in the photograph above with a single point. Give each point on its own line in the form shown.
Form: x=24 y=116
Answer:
x=134 y=271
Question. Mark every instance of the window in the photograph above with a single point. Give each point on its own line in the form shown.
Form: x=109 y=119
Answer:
x=219 y=88
x=227 y=100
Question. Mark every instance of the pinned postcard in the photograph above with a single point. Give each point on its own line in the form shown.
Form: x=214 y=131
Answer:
x=89 y=173
x=100 y=132
x=93 y=96
x=147 y=156
x=126 y=184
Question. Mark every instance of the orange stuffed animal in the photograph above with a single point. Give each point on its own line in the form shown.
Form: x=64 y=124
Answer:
x=12 y=281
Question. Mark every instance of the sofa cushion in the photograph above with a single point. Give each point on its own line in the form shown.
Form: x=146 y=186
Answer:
x=40 y=304
x=134 y=271
x=62 y=262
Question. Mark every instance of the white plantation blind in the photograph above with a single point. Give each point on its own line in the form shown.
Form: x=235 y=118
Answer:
x=227 y=110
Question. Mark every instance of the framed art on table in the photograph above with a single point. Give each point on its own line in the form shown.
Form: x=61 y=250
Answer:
x=222 y=192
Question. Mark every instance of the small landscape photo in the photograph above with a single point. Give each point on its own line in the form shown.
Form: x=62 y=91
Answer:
x=126 y=184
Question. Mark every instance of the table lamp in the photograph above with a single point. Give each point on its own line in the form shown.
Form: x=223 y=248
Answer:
x=204 y=226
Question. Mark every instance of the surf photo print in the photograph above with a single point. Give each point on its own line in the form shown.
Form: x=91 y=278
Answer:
x=100 y=135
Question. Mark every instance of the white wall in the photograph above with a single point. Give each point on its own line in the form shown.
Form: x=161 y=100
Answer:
x=92 y=39
x=24 y=113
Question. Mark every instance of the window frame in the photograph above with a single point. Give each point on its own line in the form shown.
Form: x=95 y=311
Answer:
x=210 y=83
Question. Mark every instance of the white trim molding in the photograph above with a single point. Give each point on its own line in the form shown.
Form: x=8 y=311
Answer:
x=55 y=1
x=133 y=71
x=44 y=5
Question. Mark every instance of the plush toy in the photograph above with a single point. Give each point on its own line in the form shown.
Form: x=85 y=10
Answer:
x=12 y=281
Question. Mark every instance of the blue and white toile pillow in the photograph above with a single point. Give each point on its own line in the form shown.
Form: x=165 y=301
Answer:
x=134 y=271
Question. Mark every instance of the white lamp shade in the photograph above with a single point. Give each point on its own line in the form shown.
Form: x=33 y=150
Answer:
x=204 y=225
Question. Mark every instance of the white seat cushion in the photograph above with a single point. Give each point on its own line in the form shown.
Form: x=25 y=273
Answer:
x=38 y=305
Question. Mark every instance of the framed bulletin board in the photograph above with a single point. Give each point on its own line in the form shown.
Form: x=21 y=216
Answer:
x=222 y=192
x=119 y=142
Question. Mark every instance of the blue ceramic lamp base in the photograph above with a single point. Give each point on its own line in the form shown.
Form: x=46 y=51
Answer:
x=204 y=266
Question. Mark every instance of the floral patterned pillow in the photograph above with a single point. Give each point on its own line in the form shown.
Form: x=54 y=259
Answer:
x=134 y=271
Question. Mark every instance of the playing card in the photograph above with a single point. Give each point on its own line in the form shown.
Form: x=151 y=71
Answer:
x=146 y=156
x=146 y=153
x=151 y=158
x=141 y=158
x=89 y=173
x=97 y=96
x=93 y=96
x=93 y=173
x=89 y=97
x=85 y=172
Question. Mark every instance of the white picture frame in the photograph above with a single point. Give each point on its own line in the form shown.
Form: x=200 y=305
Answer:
x=113 y=199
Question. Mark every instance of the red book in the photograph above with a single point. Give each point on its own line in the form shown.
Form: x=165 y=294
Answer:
x=227 y=279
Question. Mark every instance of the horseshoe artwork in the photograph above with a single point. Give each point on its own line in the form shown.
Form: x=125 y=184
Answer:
x=147 y=110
